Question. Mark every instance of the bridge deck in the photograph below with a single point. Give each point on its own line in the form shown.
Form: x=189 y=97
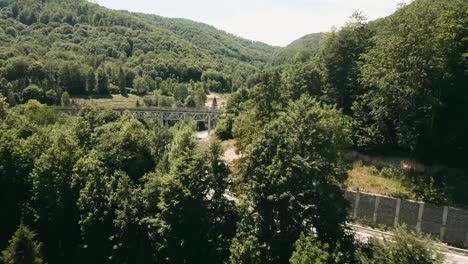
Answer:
x=162 y=114
x=144 y=109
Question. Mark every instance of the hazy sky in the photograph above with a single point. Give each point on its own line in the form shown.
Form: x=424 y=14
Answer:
x=276 y=22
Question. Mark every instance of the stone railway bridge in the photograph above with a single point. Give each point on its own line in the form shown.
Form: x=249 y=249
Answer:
x=161 y=114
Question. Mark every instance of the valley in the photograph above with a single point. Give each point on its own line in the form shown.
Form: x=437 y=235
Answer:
x=136 y=138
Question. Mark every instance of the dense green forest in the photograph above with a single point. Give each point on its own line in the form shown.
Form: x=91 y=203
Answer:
x=103 y=188
x=300 y=50
x=401 y=80
x=51 y=47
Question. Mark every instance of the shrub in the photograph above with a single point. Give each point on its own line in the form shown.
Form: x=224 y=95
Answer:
x=66 y=99
x=406 y=247
x=22 y=248
x=224 y=127
x=33 y=92
x=51 y=97
x=114 y=89
x=38 y=113
x=392 y=173
x=309 y=251
x=3 y=106
x=149 y=101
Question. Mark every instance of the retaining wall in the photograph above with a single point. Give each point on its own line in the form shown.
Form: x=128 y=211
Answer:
x=448 y=224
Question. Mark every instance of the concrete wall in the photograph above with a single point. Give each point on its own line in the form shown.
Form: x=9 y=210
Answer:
x=448 y=224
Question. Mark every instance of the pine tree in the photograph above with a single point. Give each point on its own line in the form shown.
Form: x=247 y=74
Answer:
x=3 y=106
x=102 y=81
x=90 y=82
x=292 y=162
x=10 y=95
x=3 y=86
x=122 y=82
x=65 y=99
x=189 y=204
x=214 y=105
x=22 y=249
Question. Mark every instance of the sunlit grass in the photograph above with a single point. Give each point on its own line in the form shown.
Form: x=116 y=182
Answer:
x=370 y=180
x=117 y=100
x=113 y=101
x=221 y=100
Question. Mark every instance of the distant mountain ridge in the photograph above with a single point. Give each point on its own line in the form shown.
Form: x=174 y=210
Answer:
x=306 y=46
x=82 y=37
x=308 y=41
x=207 y=36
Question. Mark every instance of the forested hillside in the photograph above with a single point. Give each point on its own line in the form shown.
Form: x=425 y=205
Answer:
x=49 y=47
x=401 y=80
x=104 y=188
x=99 y=187
x=300 y=50
x=217 y=41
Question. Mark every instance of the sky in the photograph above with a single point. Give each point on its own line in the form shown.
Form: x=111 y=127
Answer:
x=276 y=22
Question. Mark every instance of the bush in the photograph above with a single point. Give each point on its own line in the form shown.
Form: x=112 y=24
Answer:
x=39 y=114
x=22 y=248
x=430 y=191
x=3 y=106
x=66 y=99
x=406 y=247
x=11 y=31
x=309 y=251
x=149 y=101
x=114 y=89
x=224 y=127
x=166 y=101
x=51 y=97
x=33 y=92
x=392 y=173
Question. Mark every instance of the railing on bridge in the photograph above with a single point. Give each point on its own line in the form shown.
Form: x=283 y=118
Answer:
x=162 y=114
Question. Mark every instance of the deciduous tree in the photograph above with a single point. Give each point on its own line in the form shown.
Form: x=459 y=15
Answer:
x=294 y=170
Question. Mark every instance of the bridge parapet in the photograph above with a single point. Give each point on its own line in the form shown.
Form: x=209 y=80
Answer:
x=162 y=114
x=142 y=109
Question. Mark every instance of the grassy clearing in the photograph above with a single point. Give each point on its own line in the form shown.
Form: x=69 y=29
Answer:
x=371 y=180
x=391 y=181
x=111 y=101
x=230 y=152
x=117 y=100
x=440 y=189
x=221 y=100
